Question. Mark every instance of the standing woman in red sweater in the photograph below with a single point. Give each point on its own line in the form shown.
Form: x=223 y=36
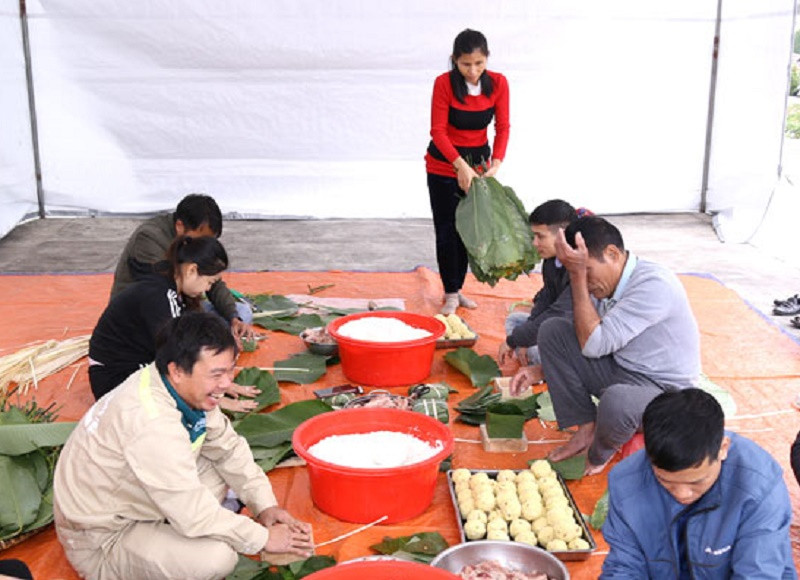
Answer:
x=464 y=102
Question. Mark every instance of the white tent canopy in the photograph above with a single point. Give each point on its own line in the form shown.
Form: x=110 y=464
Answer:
x=321 y=109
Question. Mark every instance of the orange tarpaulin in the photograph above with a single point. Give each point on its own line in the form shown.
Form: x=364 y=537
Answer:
x=741 y=352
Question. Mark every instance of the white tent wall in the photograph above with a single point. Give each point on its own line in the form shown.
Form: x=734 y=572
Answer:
x=17 y=174
x=752 y=81
x=305 y=108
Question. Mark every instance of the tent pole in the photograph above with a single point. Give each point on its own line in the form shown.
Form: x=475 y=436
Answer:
x=712 y=96
x=26 y=48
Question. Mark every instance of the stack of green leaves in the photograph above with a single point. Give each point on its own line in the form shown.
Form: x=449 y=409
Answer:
x=504 y=421
x=422 y=547
x=247 y=569
x=29 y=445
x=474 y=408
x=270 y=434
x=493 y=225
x=480 y=369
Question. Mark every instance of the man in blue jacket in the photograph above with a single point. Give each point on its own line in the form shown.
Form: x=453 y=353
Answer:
x=698 y=502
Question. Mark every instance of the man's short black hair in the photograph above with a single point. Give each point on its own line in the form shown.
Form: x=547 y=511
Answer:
x=554 y=212
x=182 y=339
x=197 y=209
x=682 y=429
x=598 y=234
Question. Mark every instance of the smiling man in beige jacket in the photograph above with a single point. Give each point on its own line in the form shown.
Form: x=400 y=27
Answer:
x=139 y=483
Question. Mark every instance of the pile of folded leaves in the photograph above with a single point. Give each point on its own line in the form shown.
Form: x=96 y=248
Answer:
x=29 y=445
x=493 y=225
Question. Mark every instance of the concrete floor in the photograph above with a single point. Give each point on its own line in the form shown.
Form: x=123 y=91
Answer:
x=684 y=242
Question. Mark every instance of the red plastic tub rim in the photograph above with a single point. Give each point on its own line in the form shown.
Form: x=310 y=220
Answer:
x=382 y=570
x=410 y=318
x=302 y=449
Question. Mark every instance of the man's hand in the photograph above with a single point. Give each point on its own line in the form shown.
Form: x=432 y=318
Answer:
x=505 y=354
x=237 y=405
x=284 y=539
x=525 y=377
x=574 y=259
x=236 y=390
x=276 y=515
x=241 y=330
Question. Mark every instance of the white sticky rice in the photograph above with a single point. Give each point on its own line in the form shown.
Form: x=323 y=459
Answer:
x=380 y=329
x=378 y=449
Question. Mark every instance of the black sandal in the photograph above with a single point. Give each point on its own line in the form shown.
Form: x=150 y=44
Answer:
x=795 y=322
x=788 y=308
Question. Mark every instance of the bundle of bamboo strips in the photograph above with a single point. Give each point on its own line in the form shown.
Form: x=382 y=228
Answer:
x=36 y=361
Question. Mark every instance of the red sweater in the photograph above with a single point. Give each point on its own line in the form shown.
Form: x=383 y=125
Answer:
x=462 y=126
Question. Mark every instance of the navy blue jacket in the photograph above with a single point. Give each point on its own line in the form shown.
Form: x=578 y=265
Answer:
x=738 y=529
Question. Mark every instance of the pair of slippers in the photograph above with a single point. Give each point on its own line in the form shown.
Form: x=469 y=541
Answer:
x=788 y=307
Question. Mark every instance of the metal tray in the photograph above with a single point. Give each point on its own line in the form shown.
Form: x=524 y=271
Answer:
x=466 y=342
x=563 y=555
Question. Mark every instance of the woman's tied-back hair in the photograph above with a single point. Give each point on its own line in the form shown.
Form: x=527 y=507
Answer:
x=598 y=234
x=467 y=42
x=206 y=252
x=182 y=339
x=682 y=429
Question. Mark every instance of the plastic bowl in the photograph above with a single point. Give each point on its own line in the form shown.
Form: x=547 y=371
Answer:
x=383 y=570
x=512 y=555
x=388 y=364
x=363 y=495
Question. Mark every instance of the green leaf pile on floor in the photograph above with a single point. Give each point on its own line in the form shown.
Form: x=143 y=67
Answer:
x=480 y=369
x=270 y=434
x=247 y=569
x=493 y=225
x=29 y=446
x=421 y=547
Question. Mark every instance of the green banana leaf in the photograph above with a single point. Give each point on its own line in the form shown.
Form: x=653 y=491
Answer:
x=571 y=468
x=19 y=439
x=13 y=416
x=600 y=513
x=273 y=429
x=546 y=411
x=268 y=457
x=273 y=305
x=21 y=497
x=493 y=225
x=422 y=547
x=480 y=369
x=290 y=325
x=504 y=421
x=247 y=569
x=269 y=395
x=314 y=366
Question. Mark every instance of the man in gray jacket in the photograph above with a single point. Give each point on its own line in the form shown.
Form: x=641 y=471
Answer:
x=633 y=337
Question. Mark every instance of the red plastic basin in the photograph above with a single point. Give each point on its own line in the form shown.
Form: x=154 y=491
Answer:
x=388 y=364
x=382 y=570
x=363 y=495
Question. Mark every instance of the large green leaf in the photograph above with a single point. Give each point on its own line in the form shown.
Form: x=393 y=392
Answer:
x=312 y=367
x=546 y=410
x=45 y=515
x=493 y=225
x=13 y=416
x=598 y=517
x=480 y=369
x=272 y=429
x=19 y=439
x=269 y=395
x=247 y=569
x=268 y=457
x=571 y=468
x=291 y=325
x=20 y=497
x=421 y=547
x=273 y=305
